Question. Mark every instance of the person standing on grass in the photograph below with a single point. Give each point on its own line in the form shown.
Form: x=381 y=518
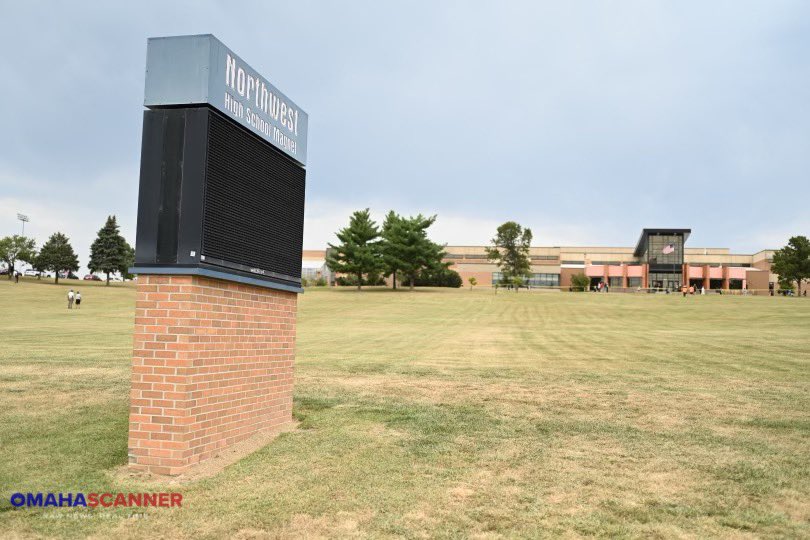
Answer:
x=71 y=298
x=78 y=299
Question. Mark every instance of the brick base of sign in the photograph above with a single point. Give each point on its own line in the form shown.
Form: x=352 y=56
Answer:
x=212 y=365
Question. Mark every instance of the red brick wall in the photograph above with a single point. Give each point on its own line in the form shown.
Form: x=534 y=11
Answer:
x=212 y=365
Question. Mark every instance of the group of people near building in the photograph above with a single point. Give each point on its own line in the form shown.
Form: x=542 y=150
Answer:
x=602 y=287
x=691 y=289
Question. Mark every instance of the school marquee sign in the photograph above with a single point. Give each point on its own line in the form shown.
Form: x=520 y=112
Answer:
x=196 y=70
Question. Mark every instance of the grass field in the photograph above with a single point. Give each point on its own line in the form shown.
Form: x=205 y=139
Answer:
x=443 y=413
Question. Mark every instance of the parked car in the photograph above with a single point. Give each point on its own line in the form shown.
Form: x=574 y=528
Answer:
x=92 y=277
x=30 y=273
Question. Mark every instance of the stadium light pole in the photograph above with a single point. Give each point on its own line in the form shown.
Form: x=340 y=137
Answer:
x=23 y=218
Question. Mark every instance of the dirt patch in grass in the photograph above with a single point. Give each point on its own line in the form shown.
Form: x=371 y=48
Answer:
x=206 y=469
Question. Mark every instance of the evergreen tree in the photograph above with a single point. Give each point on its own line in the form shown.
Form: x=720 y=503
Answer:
x=792 y=262
x=129 y=263
x=393 y=232
x=17 y=248
x=358 y=252
x=406 y=247
x=510 y=251
x=57 y=256
x=109 y=252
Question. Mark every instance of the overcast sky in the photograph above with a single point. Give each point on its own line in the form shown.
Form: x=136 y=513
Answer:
x=585 y=121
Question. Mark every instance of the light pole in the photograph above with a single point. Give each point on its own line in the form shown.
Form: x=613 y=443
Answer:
x=23 y=218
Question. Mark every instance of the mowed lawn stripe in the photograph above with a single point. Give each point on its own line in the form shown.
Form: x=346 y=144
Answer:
x=446 y=413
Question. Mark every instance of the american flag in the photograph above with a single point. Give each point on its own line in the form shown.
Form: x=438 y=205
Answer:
x=669 y=248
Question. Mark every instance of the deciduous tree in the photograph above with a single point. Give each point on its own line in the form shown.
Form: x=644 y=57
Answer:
x=580 y=282
x=17 y=248
x=510 y=251
x=792 y=262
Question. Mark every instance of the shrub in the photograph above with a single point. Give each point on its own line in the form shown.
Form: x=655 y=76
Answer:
x=580 y=282
x=351 y=281
x=443 y=277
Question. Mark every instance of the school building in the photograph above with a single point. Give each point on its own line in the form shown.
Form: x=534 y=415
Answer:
x=659 y=260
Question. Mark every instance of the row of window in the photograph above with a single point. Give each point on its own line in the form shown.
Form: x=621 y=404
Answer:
x=616 y=281
x=535 y=280
x=718 y=265
x=483 y=256
x=615 y=263
x=594 y=263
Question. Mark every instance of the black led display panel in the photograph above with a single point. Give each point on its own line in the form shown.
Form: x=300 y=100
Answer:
x=254 y=198
x=214 y=196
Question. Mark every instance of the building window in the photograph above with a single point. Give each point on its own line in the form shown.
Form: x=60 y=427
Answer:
x=534 y=280
x=665 y=281
x=615 y=281
x=665 y=249
x=634 y=282
x=573 y=262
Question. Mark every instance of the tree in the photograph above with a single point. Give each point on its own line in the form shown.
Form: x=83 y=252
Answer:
x=406 y=248
x=358 y=252
x=510 y=251
x=393 y=232
x=792 y=262
x=440 y=276
x=57 y=256
x=17 y=248
x=517 y=282
x=109 y=252
x=473 y=282
x=128 y=263
x=580 y=282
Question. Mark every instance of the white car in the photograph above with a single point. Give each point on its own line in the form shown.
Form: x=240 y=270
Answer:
x=31 y=273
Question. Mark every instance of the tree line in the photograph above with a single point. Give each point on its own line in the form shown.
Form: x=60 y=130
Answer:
x=109 y=253
x=400 y=249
